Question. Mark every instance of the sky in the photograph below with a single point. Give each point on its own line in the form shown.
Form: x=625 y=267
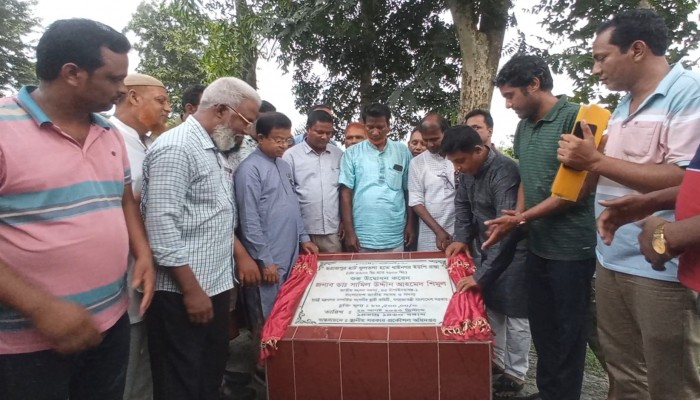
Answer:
x=273 y=85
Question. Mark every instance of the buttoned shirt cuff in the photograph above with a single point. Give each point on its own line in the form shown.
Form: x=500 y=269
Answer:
x=170 y=257
x=304 y=238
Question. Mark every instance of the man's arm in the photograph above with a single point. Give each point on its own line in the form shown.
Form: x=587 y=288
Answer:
x=351 y=242
x=143 y=272
x=464 y=229
x=67 y=325
x=682 y=235
x=416 y=202
x=246 y=268
x=582 y=154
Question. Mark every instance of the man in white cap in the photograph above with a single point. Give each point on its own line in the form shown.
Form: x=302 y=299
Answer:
x=144 y=108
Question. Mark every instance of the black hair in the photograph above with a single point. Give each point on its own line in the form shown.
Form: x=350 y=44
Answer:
x=266 y=106
x=638 y=24
x=272 y=120
x=460 y=138
x=318 y=116
x=444 y=123
x=480 y=111
x=520 y=70
x=192 y=95
x=78 y=41
x=316 y=107
x=376 y=110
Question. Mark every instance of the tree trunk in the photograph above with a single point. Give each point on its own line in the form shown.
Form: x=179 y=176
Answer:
x=249 y=63
x=480 y=40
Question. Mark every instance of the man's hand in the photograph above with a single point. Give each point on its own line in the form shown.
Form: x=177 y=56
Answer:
x=455 y=248
x=67 y=325
x=409 y=234
x=621 y=211
x=656 y=260
x=442 y=240
x=309 y=248
x=579 y=153
x=466 y=283
x=499 y=227
x=352 y=244
x=144 y=278
x=248 y=272
x=198 y=306
x=270 y=274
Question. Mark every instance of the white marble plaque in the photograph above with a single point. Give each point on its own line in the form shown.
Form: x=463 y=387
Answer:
x=377 y=292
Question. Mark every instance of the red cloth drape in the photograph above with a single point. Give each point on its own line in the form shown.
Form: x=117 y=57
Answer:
x=465 y=317
x=286 y=303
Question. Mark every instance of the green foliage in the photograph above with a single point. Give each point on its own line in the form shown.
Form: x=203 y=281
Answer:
x=185 y=42
x=171 y=47
x=400 y=52
x=576 y=21
x=16 y=67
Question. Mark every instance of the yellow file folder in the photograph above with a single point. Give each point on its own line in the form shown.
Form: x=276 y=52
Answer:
x=568 y=182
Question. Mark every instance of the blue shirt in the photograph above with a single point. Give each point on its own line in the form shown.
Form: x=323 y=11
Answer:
x=378 y=180
x=665 y=129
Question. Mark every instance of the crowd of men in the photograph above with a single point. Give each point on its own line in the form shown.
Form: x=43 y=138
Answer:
x=228 y=198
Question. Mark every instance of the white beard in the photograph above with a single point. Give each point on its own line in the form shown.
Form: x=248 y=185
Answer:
x=224 y=137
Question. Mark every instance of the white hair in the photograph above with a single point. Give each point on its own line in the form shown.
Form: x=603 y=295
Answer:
x=230 y=91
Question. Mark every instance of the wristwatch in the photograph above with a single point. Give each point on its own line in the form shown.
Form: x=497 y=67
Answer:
x=658 y=241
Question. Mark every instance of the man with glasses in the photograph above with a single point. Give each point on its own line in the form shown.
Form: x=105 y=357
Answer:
x=243 y=143
x=431 y=187
x=315 y=169
x=272 y=228
x=189 y=212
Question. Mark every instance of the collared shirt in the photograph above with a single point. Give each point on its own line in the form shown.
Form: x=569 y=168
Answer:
x=569 y=235
x=188 y=208
x=236 y=157
x=431 y=183
x=665 y=129
x=688 y=206
x=378 y=180
x=136 y=150
x=479 y=198
x=315 y=178
x=62 y=225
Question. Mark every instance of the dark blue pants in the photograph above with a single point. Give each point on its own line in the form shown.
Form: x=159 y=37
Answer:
x=559 y=293
x=94 y=374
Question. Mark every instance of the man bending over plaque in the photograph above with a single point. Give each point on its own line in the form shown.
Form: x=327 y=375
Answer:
x=488 y=183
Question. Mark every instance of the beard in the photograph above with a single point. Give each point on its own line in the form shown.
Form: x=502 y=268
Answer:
x=225 y=138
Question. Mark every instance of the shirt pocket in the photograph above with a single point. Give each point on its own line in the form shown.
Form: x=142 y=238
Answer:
x=394 y=179
x=638 y=139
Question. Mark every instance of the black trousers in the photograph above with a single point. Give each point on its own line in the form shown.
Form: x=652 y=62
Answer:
x=558 y=297
x=187 y=360
x=98 y=373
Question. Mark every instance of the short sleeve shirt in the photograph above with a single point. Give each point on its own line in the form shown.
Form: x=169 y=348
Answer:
x=569 y=235
x=665 y=129
x=378 y=180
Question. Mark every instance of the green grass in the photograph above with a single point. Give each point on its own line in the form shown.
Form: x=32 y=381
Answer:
x=592 y=364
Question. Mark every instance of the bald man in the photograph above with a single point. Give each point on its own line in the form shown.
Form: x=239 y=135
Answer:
x=144 y=108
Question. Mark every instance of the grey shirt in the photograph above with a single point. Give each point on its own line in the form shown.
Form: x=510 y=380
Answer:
x=315 y=177
x=479 y=198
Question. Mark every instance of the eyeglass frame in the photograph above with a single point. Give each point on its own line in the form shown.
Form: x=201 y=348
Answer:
x=248 y=122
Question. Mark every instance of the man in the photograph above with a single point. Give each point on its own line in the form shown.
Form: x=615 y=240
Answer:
x=242 y=145
x=67 y=218
x=355 y=132
x=144 y=107
x=190 y=214
x=374 y=178
x=190 y=100
x=561 y=234
x=431 y=188
x=272 y=228
x=652 y=135
x=489 y=183
x=315 y=169
x=482 y=122
x=300 y=134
